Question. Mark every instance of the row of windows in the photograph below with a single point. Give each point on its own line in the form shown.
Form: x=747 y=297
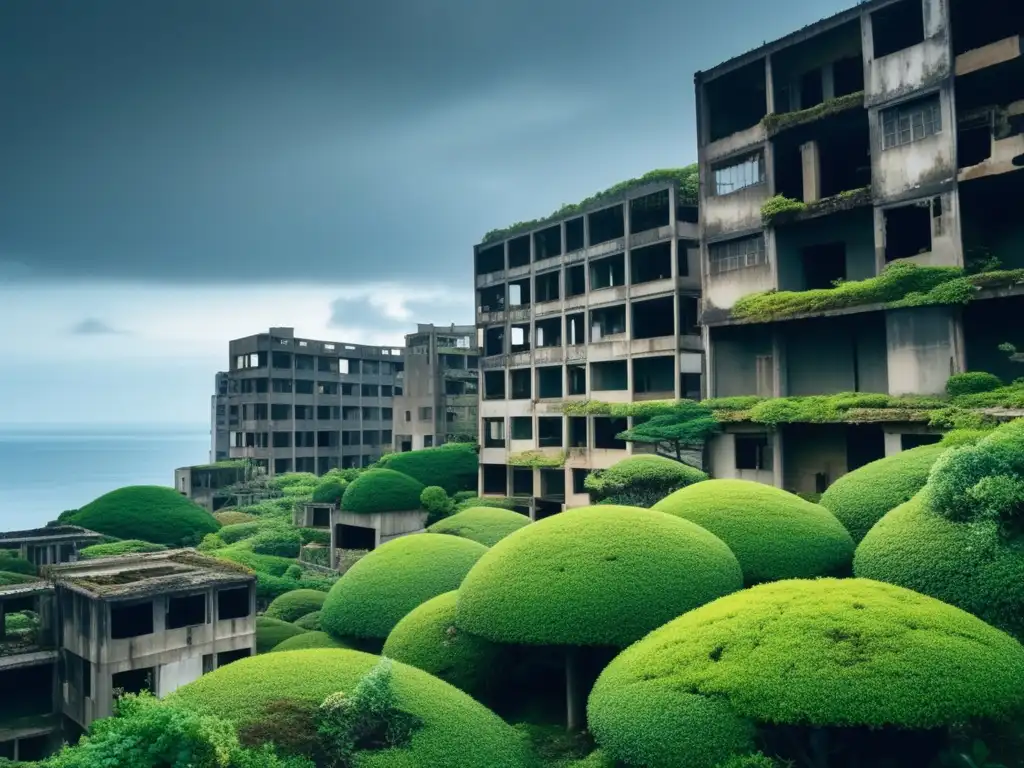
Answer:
x=309 y=439
x=310 y=387
x=284 y=412
x=288 y=361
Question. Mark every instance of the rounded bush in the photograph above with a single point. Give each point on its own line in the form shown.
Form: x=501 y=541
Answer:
x=151 y=513
x=485 y=525
x=311 y=621
x=436 y=502
x=228 y=517
x=428 y=639
x=114 y=548
x=239 y=531
x=824 y=652
x=382 y=490
x=860 y=498
x=293 y=605
x=270 y=632
x=972 y=382
x=382 y=587
x=966 y=565
x=455 y=731
x=774 y=534
x=453 y=466
x=646 y=477
x=279 y=541
x=600 y=575
x=14 y=563
x=329 y=491
x=315 y=639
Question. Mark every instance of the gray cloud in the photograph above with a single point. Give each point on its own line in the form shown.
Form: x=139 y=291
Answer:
x=93 y=327
x=331 y=142
x=360 y=313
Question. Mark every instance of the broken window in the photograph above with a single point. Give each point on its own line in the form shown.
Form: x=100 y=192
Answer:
x=689 y=315
x=737 y=100
x=133 y=681
x=824 y=264
x=649 y=212
x=490 y=259
x=547 y=243
x=753 y=452
x=974 y=139
x=494 y=341
x=575 y=329
x=654 y=262
x=576 y=376
x=736 y=254
x=575 y=281
x=549 y=381
x=610 y=375
x=491 y=299
x=897 y=27
x=426 y=413
x=609 y=272
x=908 y=231
x=690 y=386
x=281 y=360
x=579 y=479
x=186 y=611
x=912 y=121
x=552 y=484
x=574 y=235
x=519 y=252
x=549 y=332
x=654 y=374
x=653 y=318
x=607 y=224
x=282 y=386
x=494 y=385
x=522 y=428
x=546 y=286
x=519 y=383
x=519 y=340
x=131 y=620
x=495 y=479
x=607 y=321
x=605 y=430
x=549 y=431
x=847 y=76
x=494 y=433
x=912 y=440
x=577 y=431
x=734 y=175
x=519 y=293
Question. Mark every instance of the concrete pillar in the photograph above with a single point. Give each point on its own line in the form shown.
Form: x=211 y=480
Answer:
x=810 y=158
x=3 y=618
x=769 y=89
x=777 y=468
x=828 y=82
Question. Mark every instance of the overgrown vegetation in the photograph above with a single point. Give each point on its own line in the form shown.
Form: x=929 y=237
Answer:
x=151 y=513
x=776 y=122
x=641 y=480
x=683 y=427
x=538 y=459
x=484 y=525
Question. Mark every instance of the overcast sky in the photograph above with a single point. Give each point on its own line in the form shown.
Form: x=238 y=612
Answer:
x=176 y=173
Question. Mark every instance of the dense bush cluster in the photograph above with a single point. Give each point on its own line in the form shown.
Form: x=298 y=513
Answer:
x=306 y=640
x=114 y=548
x=281 y=542
x=382 y=490
x=485 y=525
x=293 y=605
x=270 y=632
x=452 y=466
x=329 y=491
x=972 y=382
x=642 y=479
x=12 y=562
x=150 y=513
x=774 y=534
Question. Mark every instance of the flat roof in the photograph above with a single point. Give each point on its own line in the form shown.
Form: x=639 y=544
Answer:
x=26 y=589
x=141 y=575
x=49 y=533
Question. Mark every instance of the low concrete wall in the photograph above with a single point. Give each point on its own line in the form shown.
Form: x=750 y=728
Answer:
x=385 y=525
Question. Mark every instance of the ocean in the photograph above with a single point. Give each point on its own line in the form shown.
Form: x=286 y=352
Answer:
x=45 y=470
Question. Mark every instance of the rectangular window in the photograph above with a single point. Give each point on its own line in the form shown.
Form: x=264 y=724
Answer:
x=736 y=254
x=753 y=452
x=739 y=175
x=494 y=433
x=911 y=122
x=426 y=413
x=522 y=428
x=428 y=441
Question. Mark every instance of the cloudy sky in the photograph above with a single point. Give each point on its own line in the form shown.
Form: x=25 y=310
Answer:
x=176 y=173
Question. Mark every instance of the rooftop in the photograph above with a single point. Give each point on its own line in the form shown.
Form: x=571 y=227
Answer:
x=144 y=574
x=49 y=533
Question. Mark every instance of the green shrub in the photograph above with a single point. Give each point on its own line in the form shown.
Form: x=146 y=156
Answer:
x=485 y=525
x=314 y=639
x=270 y=632
x=315 y=536
x=294 y=571
x=151 y=513
x=972 y=382
x=282 y=542
x=436 y=502
x=293 y=479
x=594 y=576
x=242 y=554
x=376 y=592
x=774 y=534
x=310 y=622
x=115 y=548
x=382 y=490
x=240 y=531
x=329 y=491
x=818 y=653
x=462 y=496
x=296 y=604
x=862 y=497
x=645 y=478
x=453 y=466
x=270 y=587
x=12 y=562
x=455 y=731
x=22 y=621
x=233 y=516
x=7 y=578
x=498 y=502
x=211 y=542
x=427 y=638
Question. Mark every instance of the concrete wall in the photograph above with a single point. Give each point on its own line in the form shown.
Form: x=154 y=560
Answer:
x=853 y=228
x=385 y=525
x=837 y=354
x=923 y=349
x=722 y=457
x=904 y=72
x=735 y=351
x=810 y=449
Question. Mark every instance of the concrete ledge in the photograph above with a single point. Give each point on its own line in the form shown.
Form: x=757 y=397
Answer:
x=1007 y=49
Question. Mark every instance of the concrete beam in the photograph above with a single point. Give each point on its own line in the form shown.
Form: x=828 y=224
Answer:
x=1007 y=49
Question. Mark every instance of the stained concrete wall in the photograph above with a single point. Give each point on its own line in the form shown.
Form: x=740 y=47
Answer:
x=722 y=458
x=810 y=449
x=838 y=354
x=923 y=349
x=903 y=72
x=854 y=228
x=734 y=357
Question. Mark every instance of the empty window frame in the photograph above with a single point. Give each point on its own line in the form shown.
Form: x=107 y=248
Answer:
x=522 y=428
x=740 y=253
x=910 y=122
x=186 y=611
x=609 y=272
x=494 y=433
x=753 y=452
x=737 y=175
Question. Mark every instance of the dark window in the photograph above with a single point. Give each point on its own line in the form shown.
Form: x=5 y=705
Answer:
x=233 y=603
x=605 y=431
x=186 y=611
x=227 y=657
x=522 y=428
x=753 y=452
x=911 y=122
x=86 y=677
x=909 y=441
x=897 y=26
x=304 y=386
x=908 y=231
x=131 y=620
x=133 y=681
x=579 y=476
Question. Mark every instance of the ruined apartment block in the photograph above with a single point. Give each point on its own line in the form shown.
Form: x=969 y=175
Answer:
x=219 y=445
x=440 y=397
x=898 y=124
x=602 y=305
x=298 y=405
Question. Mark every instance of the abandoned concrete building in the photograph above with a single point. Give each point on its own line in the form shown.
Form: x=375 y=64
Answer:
x=48 y=546
x=219 y=426
x=298 y=405
x=890 y=133
x=601 y=304
x=151 y=621
x=440 y=395
x=209 y=485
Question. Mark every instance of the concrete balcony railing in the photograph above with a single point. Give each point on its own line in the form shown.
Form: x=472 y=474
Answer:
x=548 y=355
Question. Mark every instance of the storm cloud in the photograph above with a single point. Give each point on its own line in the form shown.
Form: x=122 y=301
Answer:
x=331 y=142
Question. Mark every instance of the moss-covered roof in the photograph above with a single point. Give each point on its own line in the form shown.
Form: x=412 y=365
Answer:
x=456 y=731
x=486 y=525
x=825 y=652
x=601 y=576
x=774 y=534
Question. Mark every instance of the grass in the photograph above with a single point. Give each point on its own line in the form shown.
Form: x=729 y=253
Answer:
x=151 y=513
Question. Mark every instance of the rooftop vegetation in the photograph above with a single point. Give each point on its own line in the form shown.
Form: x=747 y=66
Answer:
x=777 y=122
x=538 y=459
x=687 y=180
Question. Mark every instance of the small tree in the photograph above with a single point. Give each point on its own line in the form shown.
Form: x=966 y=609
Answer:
x=686 y=426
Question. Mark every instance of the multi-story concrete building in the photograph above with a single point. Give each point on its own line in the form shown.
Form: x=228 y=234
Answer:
x=890 y=133
x=599 y=304
x=298 y=405
x=440 y=393
x=220 y=425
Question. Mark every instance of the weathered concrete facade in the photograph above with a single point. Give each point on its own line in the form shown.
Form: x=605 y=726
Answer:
x=48 y=546
x=353 y=530
x=598 y=305
x=895 y=128
x=440 y=397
